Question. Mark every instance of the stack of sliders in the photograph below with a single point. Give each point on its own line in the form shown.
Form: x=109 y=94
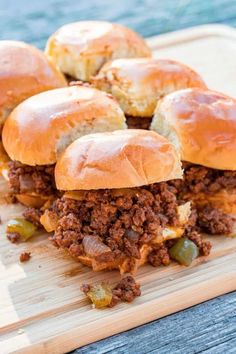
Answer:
x=116 y=198
x=202 y=124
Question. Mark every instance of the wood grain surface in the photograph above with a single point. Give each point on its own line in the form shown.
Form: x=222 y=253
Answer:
x=208 y=328
x=43 y=310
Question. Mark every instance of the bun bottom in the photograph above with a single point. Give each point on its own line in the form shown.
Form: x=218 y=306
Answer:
x=123 y=264
x=33 y=201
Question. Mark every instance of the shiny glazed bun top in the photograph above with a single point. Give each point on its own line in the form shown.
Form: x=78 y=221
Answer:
x=41 y=127
x=138 y=83
x=81 y=48
x=24 y=72
x=120 y=159
x=201 y=124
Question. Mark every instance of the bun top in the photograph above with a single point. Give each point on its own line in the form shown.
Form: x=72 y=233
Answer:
x=40 y=128
x=202 y=124
x=81 y=48
x=24 y=71
x=121 y=159
x=138 y=83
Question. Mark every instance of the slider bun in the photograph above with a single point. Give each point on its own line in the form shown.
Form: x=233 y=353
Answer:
x=223 y=200
x=81 y=48
x=40 y=128
x=24 y=71
x=137 y=84
x=201 y=124
x=31 y=201
x=121 y=159
x=124 y=264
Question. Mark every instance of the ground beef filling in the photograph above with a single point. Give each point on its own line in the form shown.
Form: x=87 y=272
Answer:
x=159 y=255
x=200 y=179
x=121 y=221
x=25 y=179
x=138 y=122
x=33 y=215
x=70 y=79
x=213 y=221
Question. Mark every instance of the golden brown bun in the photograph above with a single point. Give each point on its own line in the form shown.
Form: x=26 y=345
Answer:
x=81 y=48
x=4 y=160
x=41 y=127
x=24 y=71
x=123 y=263
x=201 y=124
x=31 y=200
x=121 y=159
x=137 y=84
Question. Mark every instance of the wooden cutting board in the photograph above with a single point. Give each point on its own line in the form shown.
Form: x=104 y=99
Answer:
x=41 y=307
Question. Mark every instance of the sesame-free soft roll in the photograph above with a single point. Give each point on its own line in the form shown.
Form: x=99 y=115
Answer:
x=24 y=72
x=39 y=129
x=139 y=83
x=118 y=210
x=81 y=48
x=202 y=124
x=122 y=159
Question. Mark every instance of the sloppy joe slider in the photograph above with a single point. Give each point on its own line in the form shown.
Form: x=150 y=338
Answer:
x=118 y=210
x=39 y=129
x=203 y=124
x=81 y=48
x=24 y=72
x=138 y=83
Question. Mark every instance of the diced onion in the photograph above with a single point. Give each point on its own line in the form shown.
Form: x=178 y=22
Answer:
x=77 y=195
x=184 y=212
x=49 y=220
x=100 y=295
x=93 y=246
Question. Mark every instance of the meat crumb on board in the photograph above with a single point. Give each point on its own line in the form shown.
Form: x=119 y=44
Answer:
x=125 y=291
x=25 y=257
x=13 y=237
